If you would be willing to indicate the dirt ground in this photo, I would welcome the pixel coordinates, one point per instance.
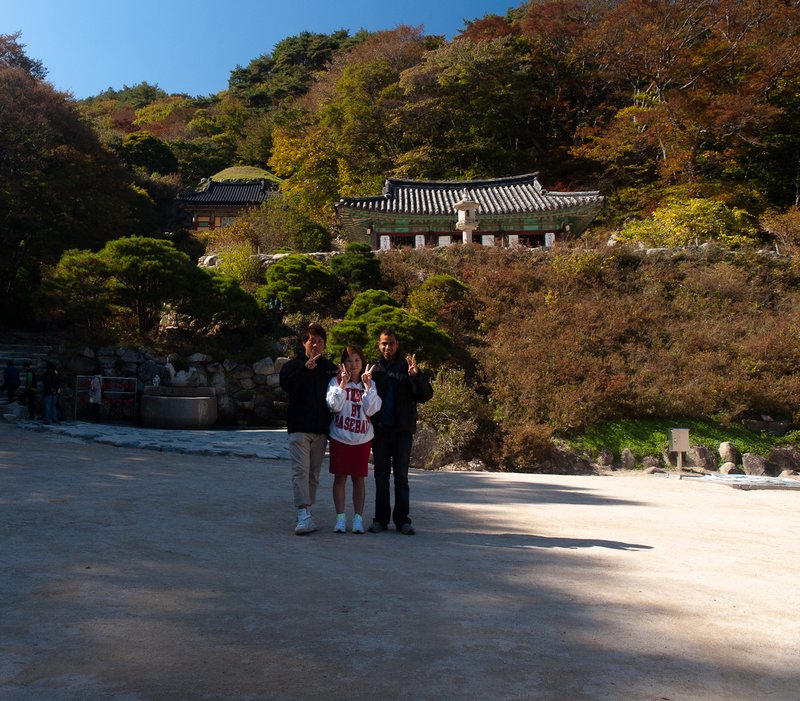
(138, 575)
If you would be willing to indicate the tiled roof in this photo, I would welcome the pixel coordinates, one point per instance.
(512, 195)
(230, 194)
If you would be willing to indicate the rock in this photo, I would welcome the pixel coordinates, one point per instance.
(786, 457)
(229, 364)
(279, 363)
(129, 355)
(200, 358)
(423, 446)
(730, 468)
(653, 470)
(727, 453)
(149, 370)
(767, 425)
(605, 458)
(650, 462)
(754, 464)
(264, 367)
(246, 383)
(241, 372)
(88, 352)
(700, 456)
(273, 381)
(564, 462)
(788, 474)
(627, 461)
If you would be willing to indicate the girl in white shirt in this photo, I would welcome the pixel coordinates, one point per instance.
(352, 402)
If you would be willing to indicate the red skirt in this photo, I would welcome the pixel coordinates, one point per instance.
(348, 459)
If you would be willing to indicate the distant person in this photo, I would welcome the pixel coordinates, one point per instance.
(96, 397)
(51, 388)
(401, 386)
(305, 379)
(353, 399)
(11, 380)
(28, 396)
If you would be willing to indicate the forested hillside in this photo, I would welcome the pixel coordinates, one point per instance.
(685, 115)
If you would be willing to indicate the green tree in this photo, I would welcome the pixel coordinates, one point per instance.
(415, 335)
(300, 283)
(366, 300)
(59, 188)
(146, 151)
(79, 285)
(357, 268)
(147, 275)
(215, 302)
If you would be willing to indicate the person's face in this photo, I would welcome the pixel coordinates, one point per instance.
(314, 345)
(387, 346)
(353, 365)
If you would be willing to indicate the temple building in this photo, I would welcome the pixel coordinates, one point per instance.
(512, 211)
(219, 202)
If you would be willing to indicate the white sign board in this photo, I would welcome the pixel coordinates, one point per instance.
(513, 240)
(386, 243)
(549, 239)
(445, 240)
(487, 240)
(419, 241)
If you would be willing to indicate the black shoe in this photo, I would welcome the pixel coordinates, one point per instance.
(376, 527)
(407, 529)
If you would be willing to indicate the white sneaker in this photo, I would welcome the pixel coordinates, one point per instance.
(341, 526)
(358, 524)
(305, 524)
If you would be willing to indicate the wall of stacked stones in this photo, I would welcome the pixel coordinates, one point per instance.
(247, 394)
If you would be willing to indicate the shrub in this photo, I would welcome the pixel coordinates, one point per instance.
(695, 220)
(455, 413)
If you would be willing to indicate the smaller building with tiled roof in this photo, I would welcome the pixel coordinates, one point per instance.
(219, 203)
(499, 211)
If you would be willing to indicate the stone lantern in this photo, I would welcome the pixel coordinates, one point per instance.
(467, 210)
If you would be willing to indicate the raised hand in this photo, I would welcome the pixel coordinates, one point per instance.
(412, 364)
(366, 376)
(344, 376)
(311, 363)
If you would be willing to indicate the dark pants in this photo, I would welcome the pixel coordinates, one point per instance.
(391, 452)
(12, 392)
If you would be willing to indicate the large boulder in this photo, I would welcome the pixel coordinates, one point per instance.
(700, 456)
(728, 453)
(786, 457)
(755, 465)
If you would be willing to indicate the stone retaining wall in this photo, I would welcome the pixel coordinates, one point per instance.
(247, 394)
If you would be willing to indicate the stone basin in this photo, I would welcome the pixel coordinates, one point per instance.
(179, 407)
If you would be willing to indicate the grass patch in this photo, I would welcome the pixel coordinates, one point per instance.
(651, 437)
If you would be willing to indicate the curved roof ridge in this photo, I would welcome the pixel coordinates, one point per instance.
(461, 184)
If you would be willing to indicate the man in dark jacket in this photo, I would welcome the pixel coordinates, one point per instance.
(305, 379)
(401, 386)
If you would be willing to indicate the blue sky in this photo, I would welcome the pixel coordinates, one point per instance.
(191, 46)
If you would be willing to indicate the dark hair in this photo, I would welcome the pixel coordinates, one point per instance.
(347, 352)
(312, 329)
(389, 332)
(354, 350)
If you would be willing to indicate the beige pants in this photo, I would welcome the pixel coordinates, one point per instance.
(306, 451)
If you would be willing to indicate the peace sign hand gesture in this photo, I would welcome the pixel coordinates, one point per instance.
(366, 376)
(344, 376)
(412, 365)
